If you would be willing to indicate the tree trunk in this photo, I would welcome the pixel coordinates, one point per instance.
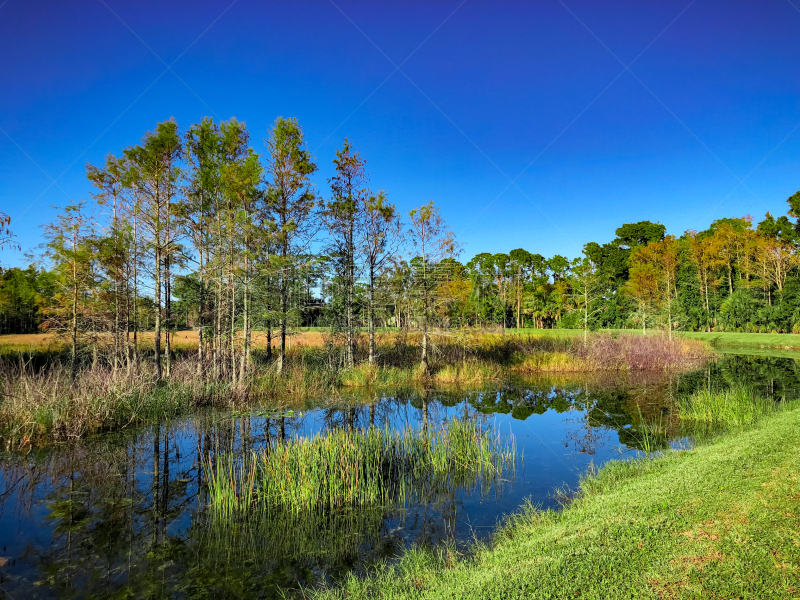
(371, 314)
(74, 346)
(284, 306)
(269, 339)
(424, 361)
(245, 361)
(200, 312)
(586, 314)
(233, 316)
(351, 343)
(730, 278)
(669, 309)
(135, 285)
(157, 332)
(168, 312)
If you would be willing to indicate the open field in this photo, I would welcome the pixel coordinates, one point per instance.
(314, 337)
(785, 341)
(781, 341)
(180, 340)
(719, 521)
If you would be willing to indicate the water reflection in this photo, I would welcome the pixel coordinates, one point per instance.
(124, 515)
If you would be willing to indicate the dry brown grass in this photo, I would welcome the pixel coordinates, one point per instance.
(180, 340)
(31, 341)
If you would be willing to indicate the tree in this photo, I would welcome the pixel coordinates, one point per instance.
(521, 265)
(292, 203)
(653, 270)
(730, 241)
(433, 241)
(23, 294)
(72, 255)
(642, 286)
(156, 175)
(241, 176)
(380, 241)
(5, 232)
(776, 259)
(204, 155)
(706, 260)
(344, 215)
(114, 250)
(587, 287)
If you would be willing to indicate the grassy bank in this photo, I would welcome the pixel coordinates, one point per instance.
(719, 521)
(786, 341)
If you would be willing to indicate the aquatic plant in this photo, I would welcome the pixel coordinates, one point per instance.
(344, 469)
(732, 407)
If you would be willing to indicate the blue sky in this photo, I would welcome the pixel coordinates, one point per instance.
(520, 119)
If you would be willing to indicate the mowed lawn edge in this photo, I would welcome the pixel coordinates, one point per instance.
(719, 521)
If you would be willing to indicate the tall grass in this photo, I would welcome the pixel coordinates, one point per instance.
(39, 399)
(606, 352)
(46, 403)
(733, 407)
(347, 469)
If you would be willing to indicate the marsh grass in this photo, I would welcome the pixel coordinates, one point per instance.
(733, 407)
(45, 403)
(41, 402)
(358, 469)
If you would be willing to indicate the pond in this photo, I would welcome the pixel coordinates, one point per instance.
(126, 515)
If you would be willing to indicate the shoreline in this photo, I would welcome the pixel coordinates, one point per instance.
(43, 403)
(719, 520)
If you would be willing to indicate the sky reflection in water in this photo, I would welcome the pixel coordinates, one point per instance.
(123, 515)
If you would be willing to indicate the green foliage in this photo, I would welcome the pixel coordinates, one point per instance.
(737, 309)
(23, 293)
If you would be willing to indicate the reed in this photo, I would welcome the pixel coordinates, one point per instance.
(733, 407)
(357, 469)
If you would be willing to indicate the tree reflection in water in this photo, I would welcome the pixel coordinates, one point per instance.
(124, 515)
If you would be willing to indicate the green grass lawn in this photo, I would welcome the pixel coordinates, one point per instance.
(719, 521)
(766, 340)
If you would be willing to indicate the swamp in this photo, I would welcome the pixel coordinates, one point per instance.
(181, 508)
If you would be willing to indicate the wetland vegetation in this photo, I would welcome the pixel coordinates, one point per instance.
(606, 455)
(46, 401)
(172, 433)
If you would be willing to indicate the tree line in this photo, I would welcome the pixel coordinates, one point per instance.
(196, 230)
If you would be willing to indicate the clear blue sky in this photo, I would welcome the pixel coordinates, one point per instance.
(486, 94)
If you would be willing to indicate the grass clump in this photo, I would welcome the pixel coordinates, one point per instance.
(733, 407)
(347, 469)
(549, 362)
(718, 521)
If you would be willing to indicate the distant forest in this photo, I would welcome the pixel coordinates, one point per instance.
(195, 230)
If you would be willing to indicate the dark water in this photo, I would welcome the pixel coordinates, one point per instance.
(123, 516)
